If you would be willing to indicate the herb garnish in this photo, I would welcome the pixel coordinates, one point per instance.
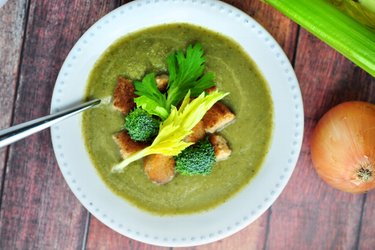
(176, 127)
(186, 73)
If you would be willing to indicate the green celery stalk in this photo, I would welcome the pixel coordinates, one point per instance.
(343, 33)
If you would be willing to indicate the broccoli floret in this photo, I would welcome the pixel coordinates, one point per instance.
(141, 126)
(198, 159)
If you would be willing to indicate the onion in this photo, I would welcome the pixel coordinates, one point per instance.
(343, 147)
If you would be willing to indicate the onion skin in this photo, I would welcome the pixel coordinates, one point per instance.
(343, 147)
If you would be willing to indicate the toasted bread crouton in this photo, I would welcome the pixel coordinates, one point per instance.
(123, 96)
(217, 117)
(221, 149)
(211, 89)
(198, 133)
(159, 168)
(162, 82)
(127, 145)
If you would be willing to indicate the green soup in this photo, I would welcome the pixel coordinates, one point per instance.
(146, 51)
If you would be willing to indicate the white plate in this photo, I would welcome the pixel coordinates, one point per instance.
(243, 208)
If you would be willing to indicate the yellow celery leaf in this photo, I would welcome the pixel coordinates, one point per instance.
(176, 127)
(197, 108)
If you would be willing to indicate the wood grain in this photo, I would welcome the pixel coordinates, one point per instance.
(366, 239)
(310, 214)
(38, 210)
(251, 237)
(280, 27)
(12, 26)
(12, 21)
(101, 237)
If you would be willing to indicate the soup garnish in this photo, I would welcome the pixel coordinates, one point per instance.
(173, 141)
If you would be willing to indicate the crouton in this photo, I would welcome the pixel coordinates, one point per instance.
(198, 133)
(211, 89)
(217, 117)
(221, 149)
(123, 96)
(162, 82)
(159, 168)
(127, 145)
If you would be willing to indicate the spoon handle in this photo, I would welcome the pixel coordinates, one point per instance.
(20, 131)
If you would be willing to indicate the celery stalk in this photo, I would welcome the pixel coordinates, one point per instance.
(369, 4)
(343, 33)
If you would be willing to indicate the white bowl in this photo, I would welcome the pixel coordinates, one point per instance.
(245, 206)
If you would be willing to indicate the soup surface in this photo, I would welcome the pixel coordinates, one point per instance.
(146, 51)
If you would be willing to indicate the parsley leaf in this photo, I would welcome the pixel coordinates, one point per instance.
(186, 73)
(150, 98)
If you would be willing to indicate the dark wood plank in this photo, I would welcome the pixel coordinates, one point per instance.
(366, 239)
(12, 26)
(280, 27)
(310, 214)
(253, 236)
(101, 237)
(38, 209)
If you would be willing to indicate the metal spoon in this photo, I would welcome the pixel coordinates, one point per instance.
(20, 131)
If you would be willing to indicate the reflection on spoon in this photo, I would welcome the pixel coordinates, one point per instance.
(20, 131)
(2, 2)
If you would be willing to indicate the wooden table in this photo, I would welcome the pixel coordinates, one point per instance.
(38, 211)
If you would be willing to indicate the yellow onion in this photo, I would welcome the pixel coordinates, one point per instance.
(343, 147)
